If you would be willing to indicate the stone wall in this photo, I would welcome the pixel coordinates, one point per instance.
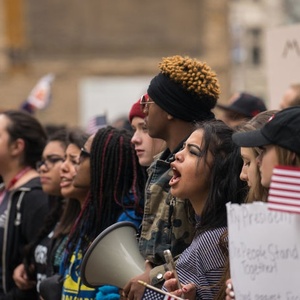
(75, 39)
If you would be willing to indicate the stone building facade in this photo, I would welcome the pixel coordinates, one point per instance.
(75, 40)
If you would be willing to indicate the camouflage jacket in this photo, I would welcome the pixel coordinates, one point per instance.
(168, 222)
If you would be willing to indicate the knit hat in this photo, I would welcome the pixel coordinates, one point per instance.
(136, 110)
(282, 129)
(245, 104)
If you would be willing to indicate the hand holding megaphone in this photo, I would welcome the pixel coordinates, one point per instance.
(133, 289)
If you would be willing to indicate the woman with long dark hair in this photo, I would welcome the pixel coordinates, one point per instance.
(206, 172)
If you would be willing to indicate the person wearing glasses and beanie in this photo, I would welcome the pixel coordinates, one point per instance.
(23, 204)
(184, 92)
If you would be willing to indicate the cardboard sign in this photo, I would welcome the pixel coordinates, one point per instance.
(283, 61)
(264, 249)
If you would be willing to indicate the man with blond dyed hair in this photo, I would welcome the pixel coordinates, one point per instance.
(184, 92)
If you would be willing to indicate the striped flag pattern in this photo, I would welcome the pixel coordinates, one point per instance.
(150, 294)
(95, 123)
(284, 192)
(154, 293)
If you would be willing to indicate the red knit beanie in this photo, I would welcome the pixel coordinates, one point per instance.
(136, 110)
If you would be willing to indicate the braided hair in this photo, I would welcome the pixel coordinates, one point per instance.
(115, 176)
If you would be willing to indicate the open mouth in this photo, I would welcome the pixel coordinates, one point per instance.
(176, 176)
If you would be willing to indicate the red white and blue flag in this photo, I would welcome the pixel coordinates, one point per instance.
(284, 192)
(153, 293)
(40, 95)
(95, 123)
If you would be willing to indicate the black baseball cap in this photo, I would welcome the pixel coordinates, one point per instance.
(282, 129)
(245, 104)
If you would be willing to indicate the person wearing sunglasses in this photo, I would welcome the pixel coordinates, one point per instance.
(184, 92)
(23, 203)
(108, 167)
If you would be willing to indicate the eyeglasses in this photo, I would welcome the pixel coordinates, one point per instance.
(144, 103)
(49, 162)
(83, 154)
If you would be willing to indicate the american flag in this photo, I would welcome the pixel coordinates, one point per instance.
(284, 192)
(96, 123)
(153, 293)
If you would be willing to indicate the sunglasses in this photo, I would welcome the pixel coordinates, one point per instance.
(144, 103)
(83, 154)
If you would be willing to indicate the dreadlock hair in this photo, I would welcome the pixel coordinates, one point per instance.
(225, 171)
(115, 176)
(194, 76)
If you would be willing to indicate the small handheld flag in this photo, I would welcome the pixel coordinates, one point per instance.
(284, 192)
(153, 293)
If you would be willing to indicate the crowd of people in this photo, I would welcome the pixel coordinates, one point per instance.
(171, 176)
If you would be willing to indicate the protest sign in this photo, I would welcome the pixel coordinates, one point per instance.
(283, 61)
(264, 249)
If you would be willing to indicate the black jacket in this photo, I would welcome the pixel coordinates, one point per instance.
(27, 208)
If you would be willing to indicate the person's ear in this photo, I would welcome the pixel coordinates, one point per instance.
(17, 147)
(170, 117)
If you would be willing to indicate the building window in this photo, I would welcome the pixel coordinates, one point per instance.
(255, 46)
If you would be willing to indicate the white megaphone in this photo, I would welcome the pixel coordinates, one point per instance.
(113, 258)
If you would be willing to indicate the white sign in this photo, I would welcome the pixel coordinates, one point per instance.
(283, 61)
(110, 96)
(264, 251)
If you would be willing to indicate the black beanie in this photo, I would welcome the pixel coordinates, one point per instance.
(178, 101)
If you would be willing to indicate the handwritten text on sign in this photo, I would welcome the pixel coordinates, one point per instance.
(264, 248)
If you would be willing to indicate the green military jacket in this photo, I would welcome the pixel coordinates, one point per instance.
(168, 222)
